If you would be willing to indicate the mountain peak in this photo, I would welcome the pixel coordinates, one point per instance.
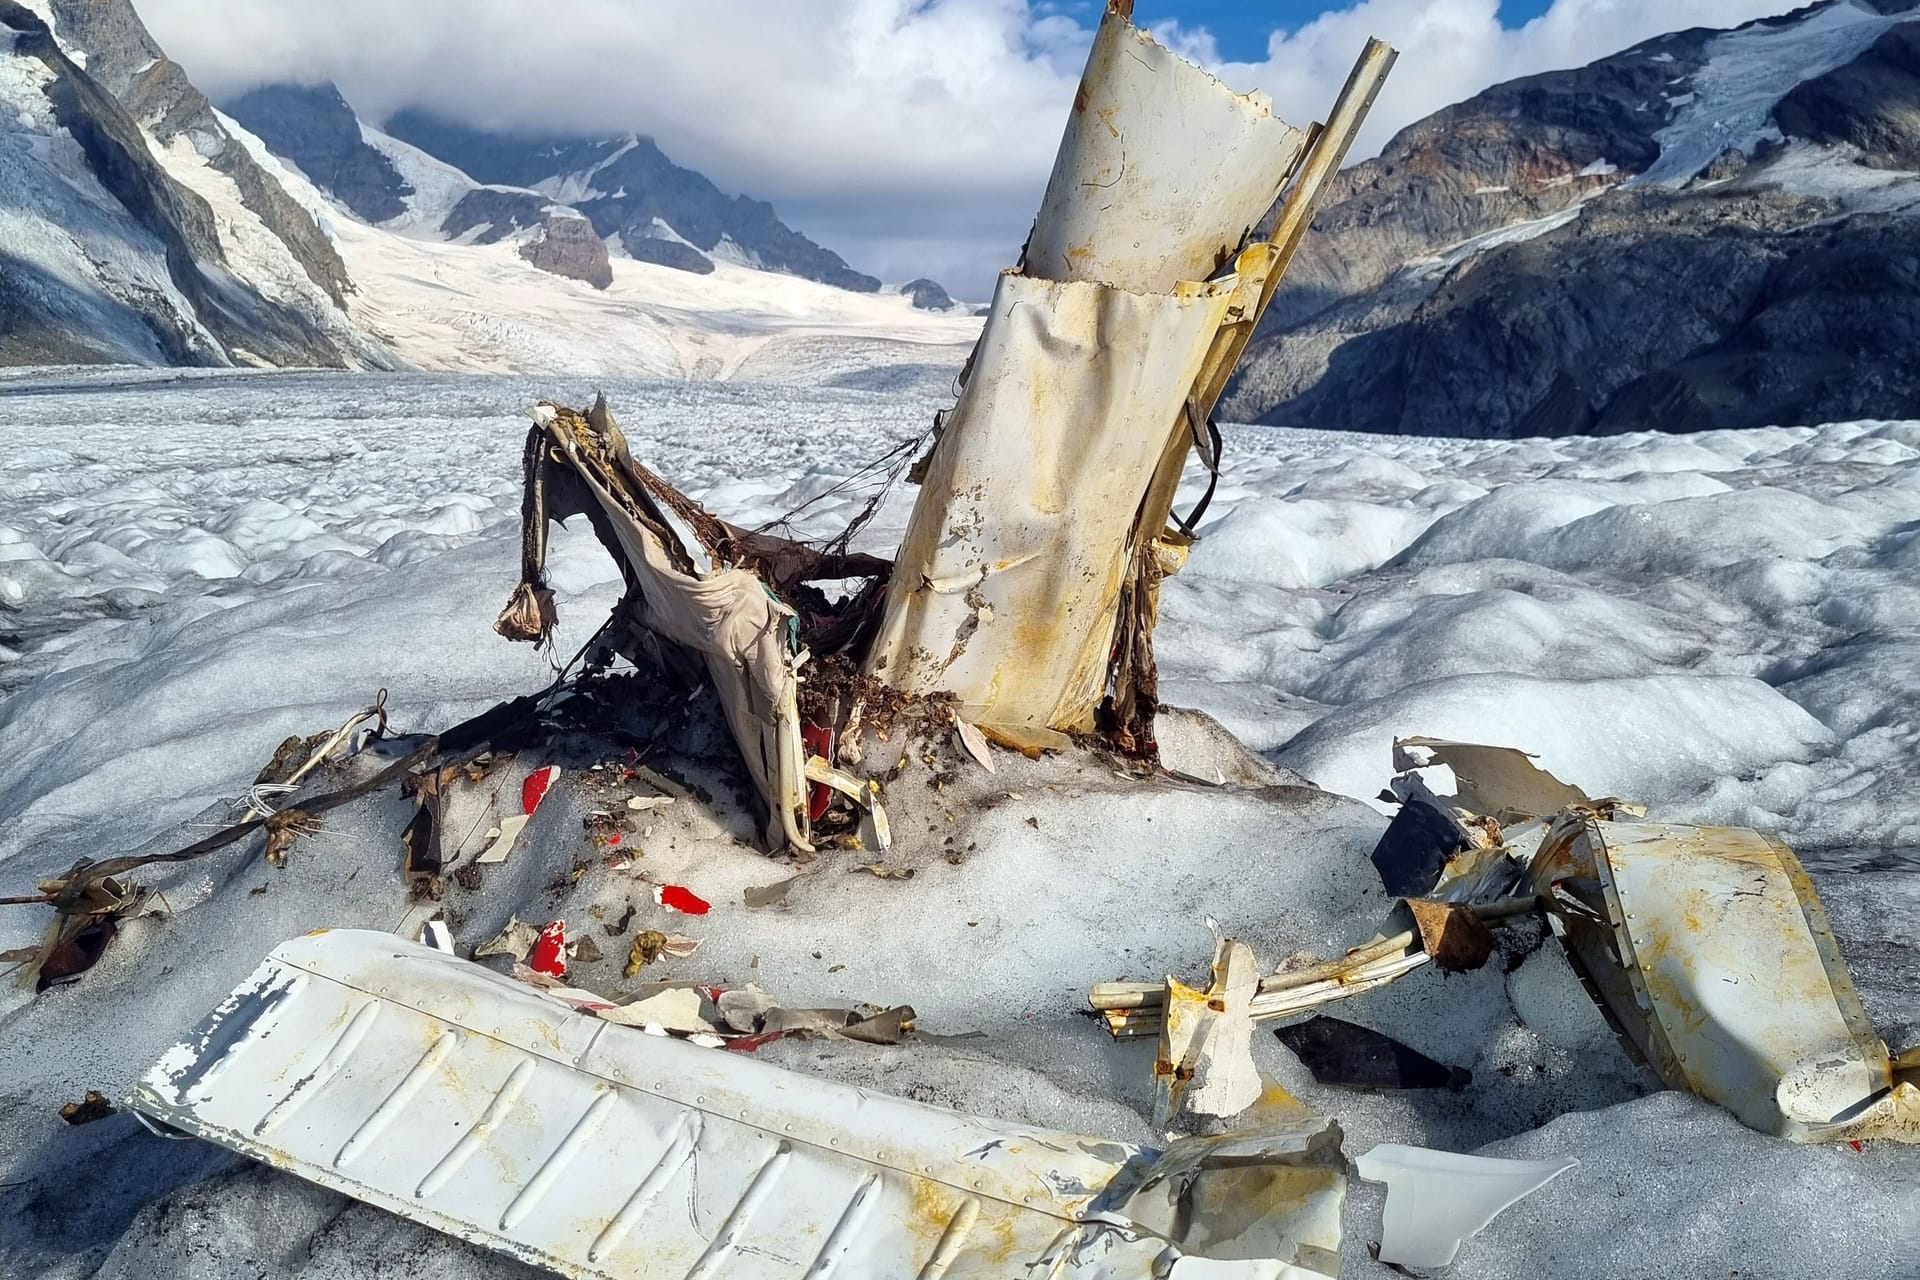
(627, 186)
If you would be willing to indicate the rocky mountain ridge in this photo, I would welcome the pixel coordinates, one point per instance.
(109, 253)
(563, 200)
(1706, 230)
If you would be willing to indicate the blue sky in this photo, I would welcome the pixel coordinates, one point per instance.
(1240, 27)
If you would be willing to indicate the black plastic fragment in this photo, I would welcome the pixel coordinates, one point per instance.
(1342, 1053)
(1415, 848)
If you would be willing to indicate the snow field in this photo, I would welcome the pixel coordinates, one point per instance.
(1722, 626)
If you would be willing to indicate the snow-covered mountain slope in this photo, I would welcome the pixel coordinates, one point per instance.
(484, 306)
(1706, 230)
(631, 190)
(1723, 625)
(371, 175)
(150, 237)
(139, 225)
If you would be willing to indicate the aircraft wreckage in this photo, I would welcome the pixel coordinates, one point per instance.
(505, 1106)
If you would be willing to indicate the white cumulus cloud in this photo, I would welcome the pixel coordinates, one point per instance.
(913, 136)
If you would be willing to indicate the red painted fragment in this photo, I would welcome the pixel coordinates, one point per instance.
(534, 789)
(748, 1044)
(819, 741)
(550, 950)
(681, 899)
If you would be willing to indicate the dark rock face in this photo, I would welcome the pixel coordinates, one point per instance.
(1512, 153)
(123, 58)
(1656, 311)
(565, 243)
(1727, 302)
(927, 294)
(667, 253)
(500, 211)
(236, 315)
(632, 183)
(570, 247)
(313, 126)
(1873, 103)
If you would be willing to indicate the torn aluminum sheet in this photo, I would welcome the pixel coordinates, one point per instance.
(457, 1098)
(1161, 165)
(1496, 781)
(1205, 1063)
(1712, 952)
(1101, 352)
(1030, 495)
(1436, 1199)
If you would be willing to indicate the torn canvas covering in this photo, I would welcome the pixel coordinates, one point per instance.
(460, 1099)
(1034, 542)
(1712, 952)
(682, 589)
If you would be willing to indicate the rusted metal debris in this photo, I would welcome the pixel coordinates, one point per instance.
(1707, 948)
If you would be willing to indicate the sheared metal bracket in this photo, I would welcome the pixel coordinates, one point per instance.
(458, 1098)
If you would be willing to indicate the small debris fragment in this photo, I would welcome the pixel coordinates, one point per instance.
(767, 895)
(502, 838)
(535, 788)
(975, 742)
(549, 954)
(884, 872)
(94, 1107)
(516, 940)
(434, 934)
(648, 945)
(680, 898)
(1342, 1053)
(585, 949)
(648, 804)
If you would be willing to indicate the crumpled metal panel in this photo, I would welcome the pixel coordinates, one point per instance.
(1717, 959)
(458, 1098)
(739, 629)
(1161, 172)
(1005, 588)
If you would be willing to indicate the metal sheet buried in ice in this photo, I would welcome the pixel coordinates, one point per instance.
(446, 1093)
(1007, 582)
(1738, 990)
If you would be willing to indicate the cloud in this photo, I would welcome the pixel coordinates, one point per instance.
(913, 136)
